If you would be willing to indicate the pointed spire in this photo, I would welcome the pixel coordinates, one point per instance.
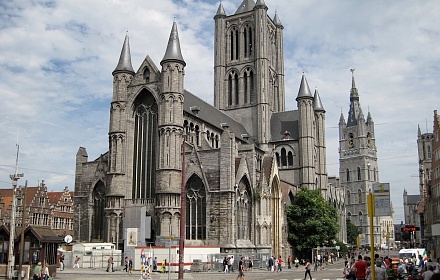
(304, 90)
(419, 132)
(341, 119)
(355, 111)
(220, 10)
(124, 64)
(245, 6)
(317, 104)
(369, 118)
(276, 20)
(353, 92)
(173, 51)
(260, 3)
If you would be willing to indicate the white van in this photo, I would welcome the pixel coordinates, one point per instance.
(409, 253)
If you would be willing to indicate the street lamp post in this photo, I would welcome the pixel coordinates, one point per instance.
(14, 179)
(182, 214)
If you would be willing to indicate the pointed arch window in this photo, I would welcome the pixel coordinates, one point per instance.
(248, 41)
(360, 197)
(244, 210)
(348, 197)
(98, 211)
(230, 90)
(236, 91)
(290, 159)
(283, 157)
(144, 150)
(348, 175)
(147, 75)
(234, 44)
(277, 155)
(248, 86)
(359, 177)
(195, 209)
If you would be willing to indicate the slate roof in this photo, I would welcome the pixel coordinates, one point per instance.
(245, 6)
(282, 122)
(213, 116)
(413, 199)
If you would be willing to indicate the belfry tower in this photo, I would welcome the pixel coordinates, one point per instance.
(358, 168)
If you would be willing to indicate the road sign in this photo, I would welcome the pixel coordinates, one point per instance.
(382, 202)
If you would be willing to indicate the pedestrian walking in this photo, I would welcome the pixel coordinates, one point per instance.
(241, 269)
(62, 261)
(130, 265)
(308, 268)
(126, 264)
(360, 267)
(76, 262)
(289, 260)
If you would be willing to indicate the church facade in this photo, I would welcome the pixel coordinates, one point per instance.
(240, 161)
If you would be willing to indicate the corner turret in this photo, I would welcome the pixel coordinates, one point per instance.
(173, 52)
(124, 64)
(317, 104)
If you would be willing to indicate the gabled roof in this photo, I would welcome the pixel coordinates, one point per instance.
(44, 233)
(211, 115)
(245, 6)
(284, 121)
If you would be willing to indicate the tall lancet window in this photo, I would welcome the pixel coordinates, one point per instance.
(195, 209)
(144, 150)
(234, 44)
(248, 41)
(248, 85)
(243, 196)
(98, 211)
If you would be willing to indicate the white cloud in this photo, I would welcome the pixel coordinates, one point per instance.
(56, 59)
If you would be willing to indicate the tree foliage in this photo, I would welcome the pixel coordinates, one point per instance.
(352, 232)
(311, 220)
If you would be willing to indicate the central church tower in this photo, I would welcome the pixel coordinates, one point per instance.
(249, 67)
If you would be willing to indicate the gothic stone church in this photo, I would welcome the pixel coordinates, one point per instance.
(241, 160)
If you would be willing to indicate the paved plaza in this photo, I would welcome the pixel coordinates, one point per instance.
(331, 272)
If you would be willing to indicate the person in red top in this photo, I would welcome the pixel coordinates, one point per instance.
(360, 267)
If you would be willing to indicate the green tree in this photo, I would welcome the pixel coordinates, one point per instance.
(311, 221)
(352, 233)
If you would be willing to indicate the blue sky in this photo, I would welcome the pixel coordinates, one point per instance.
(56, 60)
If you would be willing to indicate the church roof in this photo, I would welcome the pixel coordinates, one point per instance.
(284, 121)
(213, 116)
(124, 63)
(173, 51)
(304, 90)
(317, 104)
(276, 20)
(220, 10)
(245, 6)
(412, 199)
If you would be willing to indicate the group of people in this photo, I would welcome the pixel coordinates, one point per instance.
(128, 265)
(41, 272)
(413, 270)
(275, 264)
